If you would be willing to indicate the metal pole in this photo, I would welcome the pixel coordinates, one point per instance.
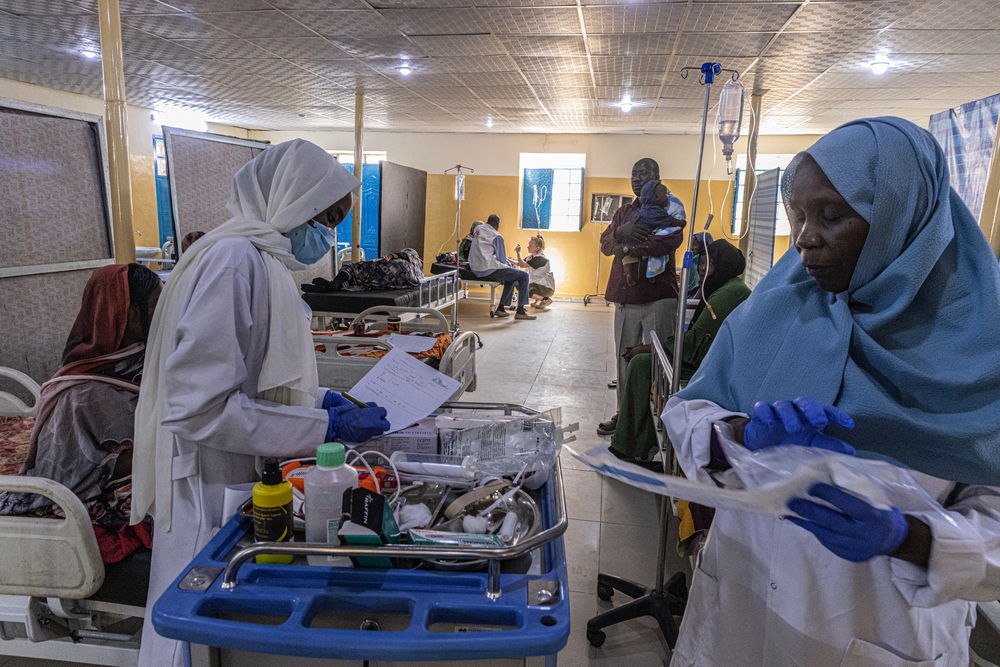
(675, 382)
(112, 63)
(750, 184)
(359, 171)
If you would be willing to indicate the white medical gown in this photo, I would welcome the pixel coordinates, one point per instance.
(218, 424)
(766, 593)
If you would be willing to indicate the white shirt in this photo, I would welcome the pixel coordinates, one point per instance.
(542, 275)
(483, 258)
(766, 593)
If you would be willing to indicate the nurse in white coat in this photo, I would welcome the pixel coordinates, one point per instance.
(230, 370)
(886, 317)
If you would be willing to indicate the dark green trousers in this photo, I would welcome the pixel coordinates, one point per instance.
(635, 434)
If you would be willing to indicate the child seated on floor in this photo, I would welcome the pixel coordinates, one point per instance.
(542, 283)
(661, 213)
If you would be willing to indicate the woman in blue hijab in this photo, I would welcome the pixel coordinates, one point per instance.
(877, 336)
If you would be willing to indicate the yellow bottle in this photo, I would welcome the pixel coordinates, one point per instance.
(272, 511)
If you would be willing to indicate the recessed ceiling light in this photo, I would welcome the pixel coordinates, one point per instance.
(405, 70)
(880, 66)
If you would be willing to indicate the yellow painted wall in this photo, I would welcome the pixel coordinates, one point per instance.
(574, 255)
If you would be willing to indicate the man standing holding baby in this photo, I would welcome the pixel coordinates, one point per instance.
(643, 237)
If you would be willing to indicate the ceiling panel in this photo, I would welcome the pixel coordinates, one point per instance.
(632, 19)
(173, 26)
(365, 23)
(632, 45)
(856, 15)
(457, 46)
(723, 44)
(453, 20)
(532, 20)
(302, 47)
(737, 17)
(525, 63)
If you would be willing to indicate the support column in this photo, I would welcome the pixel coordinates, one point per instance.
(116, 123)
(750, 183)
(989, 215)
(359, 169)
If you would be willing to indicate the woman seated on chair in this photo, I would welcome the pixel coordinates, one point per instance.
(85, 422)
(719, 270)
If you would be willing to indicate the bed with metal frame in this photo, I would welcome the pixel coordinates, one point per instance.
(437, 292)
(58, 600)
(339, 371)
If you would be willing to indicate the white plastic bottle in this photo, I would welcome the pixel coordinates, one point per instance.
(324, 491)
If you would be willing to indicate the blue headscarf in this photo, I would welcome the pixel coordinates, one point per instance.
(911, 349)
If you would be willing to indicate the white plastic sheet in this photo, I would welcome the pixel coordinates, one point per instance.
(763, 482)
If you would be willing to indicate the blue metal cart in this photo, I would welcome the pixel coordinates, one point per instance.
(224, 599)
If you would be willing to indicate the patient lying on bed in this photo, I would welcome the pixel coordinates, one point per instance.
(84, 428)
(401, 270)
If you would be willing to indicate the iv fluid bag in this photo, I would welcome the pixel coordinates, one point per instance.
(459, 187)
(730, 115)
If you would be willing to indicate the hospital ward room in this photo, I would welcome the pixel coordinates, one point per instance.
(500, 333)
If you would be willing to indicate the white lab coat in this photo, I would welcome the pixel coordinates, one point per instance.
(766, 593)
(218, 424)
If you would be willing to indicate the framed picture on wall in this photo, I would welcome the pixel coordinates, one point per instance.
(603, 206)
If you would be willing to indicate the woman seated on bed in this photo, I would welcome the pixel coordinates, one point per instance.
(84, 428)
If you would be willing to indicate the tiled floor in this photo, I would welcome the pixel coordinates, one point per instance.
(565, 359)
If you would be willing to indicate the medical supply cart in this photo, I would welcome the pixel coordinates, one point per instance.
(224, 599)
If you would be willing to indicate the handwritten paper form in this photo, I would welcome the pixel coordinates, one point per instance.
(408, 389)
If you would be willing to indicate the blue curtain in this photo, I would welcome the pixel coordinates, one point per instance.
(371, 197)
(537, 182)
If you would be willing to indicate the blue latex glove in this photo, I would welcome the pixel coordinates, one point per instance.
(855, 531)
(354, 424)
(333, 399)
(798, 422)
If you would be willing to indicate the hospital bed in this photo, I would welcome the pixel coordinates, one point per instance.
(57, 599)
(438, 292)
(470, 281)
(341, 371)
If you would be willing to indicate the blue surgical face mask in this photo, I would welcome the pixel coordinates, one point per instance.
(310, 242)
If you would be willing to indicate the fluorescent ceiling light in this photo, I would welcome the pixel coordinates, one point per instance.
(626, 104)
(90, 53)
(880, 66)
(489, 121)
(405, 70)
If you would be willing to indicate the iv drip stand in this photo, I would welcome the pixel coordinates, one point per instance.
(668, 597)
(459, 196)
(708, 73)
(598, 294)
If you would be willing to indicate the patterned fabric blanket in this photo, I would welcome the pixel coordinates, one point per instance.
(443, 341)
(15, 438)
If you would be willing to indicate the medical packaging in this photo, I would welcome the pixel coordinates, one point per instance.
(369, 521)
(421, 438)
(501, 444)
(444, 538)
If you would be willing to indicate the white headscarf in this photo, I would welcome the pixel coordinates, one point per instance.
(280, 189)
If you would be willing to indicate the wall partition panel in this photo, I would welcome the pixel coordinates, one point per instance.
(55, 228)
(403, 208)
(201, 167)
